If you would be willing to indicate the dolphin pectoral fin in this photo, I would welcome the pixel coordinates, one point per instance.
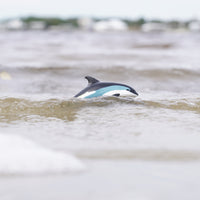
(116, 95)
(91, 80)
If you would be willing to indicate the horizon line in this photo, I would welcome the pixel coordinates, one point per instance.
(98, 17)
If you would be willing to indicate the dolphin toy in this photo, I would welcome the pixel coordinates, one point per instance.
(96, 88)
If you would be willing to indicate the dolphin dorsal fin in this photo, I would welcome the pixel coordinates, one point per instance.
(91, 80)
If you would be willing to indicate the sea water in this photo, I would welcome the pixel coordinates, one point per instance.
(146, 147)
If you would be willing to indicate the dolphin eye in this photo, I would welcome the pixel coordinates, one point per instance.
(128, 89)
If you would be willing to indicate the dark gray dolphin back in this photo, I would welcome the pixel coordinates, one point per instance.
(91, 80)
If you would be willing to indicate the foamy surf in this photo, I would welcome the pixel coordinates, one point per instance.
(19, 156)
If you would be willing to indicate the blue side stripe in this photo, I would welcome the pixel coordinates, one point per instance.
(102, 91)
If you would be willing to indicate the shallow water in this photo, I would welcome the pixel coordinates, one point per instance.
(44, 70)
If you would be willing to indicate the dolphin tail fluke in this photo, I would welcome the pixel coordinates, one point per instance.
(91, 80)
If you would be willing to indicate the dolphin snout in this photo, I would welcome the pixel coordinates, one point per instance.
(134, 92)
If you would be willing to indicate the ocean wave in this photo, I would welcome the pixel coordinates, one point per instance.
(141, 154)
(20, 156)
(13, 109)
(167, 71)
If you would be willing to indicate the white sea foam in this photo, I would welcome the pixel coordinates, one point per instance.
(21, 156)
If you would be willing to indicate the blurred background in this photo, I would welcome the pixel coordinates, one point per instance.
(53, 146)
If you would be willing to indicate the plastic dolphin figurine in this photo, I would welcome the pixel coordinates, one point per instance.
(96, 88)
